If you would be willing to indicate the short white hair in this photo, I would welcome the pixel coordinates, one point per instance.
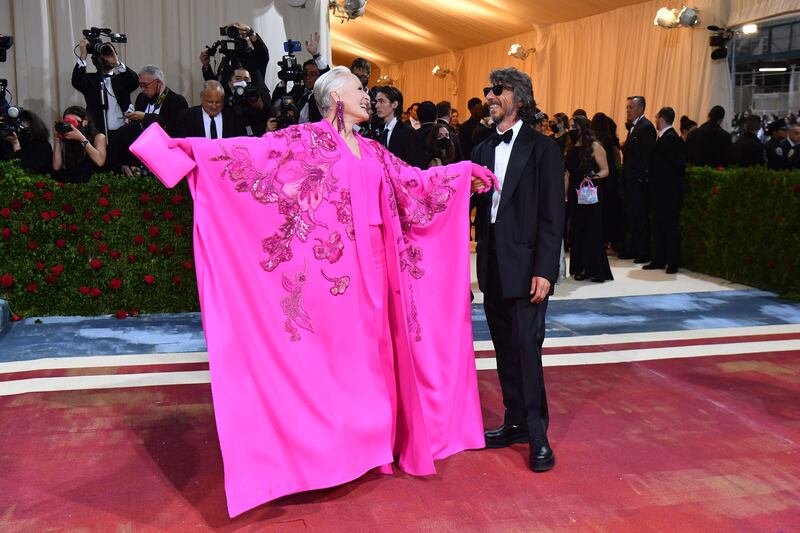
(152, 71)
(333, 80)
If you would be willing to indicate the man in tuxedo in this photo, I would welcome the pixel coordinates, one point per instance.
(748, 151)
(666, 192)
(107, 93)
(468, 127)
(518, 229)
(426, 113)
(254, 58)
(303, 94)
(396, 135)
(637, 155)
(709, 145)
(210, 119)
(444, 114)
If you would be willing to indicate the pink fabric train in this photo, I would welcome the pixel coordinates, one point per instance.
(307, 391)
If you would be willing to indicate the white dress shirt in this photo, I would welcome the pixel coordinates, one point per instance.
(635, 122)
(207, 124)
(114, 118)
(502, 153)
(662, 132)
(390, 128)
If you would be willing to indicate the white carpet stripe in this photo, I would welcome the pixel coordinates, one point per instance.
(484, 363)
(99, 361)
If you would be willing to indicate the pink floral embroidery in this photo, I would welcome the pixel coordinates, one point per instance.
(344, 213)
(409, 257)
(412, 321)
(331, 249)
(292, 305)
(340, 284)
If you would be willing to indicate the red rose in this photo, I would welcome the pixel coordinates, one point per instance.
(102, 201)
(144, 198)
(105, 189)
(95, 264)
(16, 205)
(176, 280)
(176, 199)
(29, 195)
(47, 195)
(57, 269)
(98, 235)
(159, 199)
(32, 245)
(39, 265)
(188, 265)
(88, 214)
(63, 227)
(169, 215)
(147, 214)
(81, 249)
(152, 248)
(714, 190)
(6, 233)
(116, 213)
(39, 185)
(179, 229)
(84, 290)
(61, 243)
(149, 279)
(114, 254)
(168, 250)
(24, 229)
(133, 311)
(154, 231)
(15, 317)
(102, 247)
(51, 279)
(131, 259)
(60, 185)
(53, 213)
(122, 314)
(115, 283)
(73, 228)
(45, 215)
(6, 280)
(771, 265)
(106, 218)
(32, 287)
(68, 208)
(138, 239)
(95, 292)
(5, 212)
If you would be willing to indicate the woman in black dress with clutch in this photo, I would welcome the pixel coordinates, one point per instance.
(586, 158)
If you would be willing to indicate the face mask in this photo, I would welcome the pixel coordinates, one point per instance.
(573, 134)
(443, 143)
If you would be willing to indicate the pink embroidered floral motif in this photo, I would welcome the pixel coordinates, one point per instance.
(292, 305)
(409, 257)
(412, 321)
(331, 249)
(339, 284)
(344, 213)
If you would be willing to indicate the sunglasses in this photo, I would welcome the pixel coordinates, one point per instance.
(496, 90)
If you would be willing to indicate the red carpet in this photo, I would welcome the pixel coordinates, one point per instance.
(700, 444)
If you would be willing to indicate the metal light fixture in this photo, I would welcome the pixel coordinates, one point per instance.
(773, 69)
(675, 18)
(385, 80)
(347, 9)
(750, 29)
(519, 52)
(440, 72)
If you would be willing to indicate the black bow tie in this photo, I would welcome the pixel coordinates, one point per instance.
(505, 137)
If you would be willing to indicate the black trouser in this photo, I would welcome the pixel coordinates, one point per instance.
(637, 208)
(666, 232)
(517, 327)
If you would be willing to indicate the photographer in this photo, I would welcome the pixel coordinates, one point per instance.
(247, 103)
(303, 93)
(284, 114)
(249, 52)
(156, 102)
(80, 149)
(29, 144)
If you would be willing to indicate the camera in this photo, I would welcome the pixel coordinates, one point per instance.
(96, 44)
(6, 41)
(289, 112)
(234, 45)
(63, 127)
(247, 92)
(290, 70)
(9, 121)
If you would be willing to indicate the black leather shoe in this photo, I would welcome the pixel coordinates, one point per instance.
(579, 277)
(671, 269)
(641, 260)
(653, 266)
(505, 436)
(542, 457)
(624, 256)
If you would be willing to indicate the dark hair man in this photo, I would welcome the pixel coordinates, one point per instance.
(444, 114)
(396, 135)
(666, 193)
(748, 151)
(303, 94)
(636, 159)
(362, 69)
(518, 231)
(475, 108)
(777, 148)
(709, 145)
(254, 58)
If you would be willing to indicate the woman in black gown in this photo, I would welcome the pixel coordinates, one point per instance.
(586, 158)
(605, 131)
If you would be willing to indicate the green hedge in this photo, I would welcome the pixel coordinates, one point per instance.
(124, 245)
(115, 245)
(743, 224)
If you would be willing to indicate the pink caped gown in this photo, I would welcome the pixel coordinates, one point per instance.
(335, 301)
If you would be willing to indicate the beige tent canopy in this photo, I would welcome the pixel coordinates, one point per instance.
(589, 53)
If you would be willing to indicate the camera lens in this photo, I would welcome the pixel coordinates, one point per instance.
(232, 32)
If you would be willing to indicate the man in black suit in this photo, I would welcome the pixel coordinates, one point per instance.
(475, 108)
(748, 151)
(426, 114)
(637, 155)
(444, 114)
(107, 93)
(210, 119)
(396, 135)
(709, 145)
(254, 58)
(303, 93)
(518, 231)
(666, 193)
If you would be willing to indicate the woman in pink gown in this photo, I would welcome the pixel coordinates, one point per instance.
(334, 290)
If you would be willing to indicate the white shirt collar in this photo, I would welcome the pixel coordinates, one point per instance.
(662, 132)
(515, 128)
(635, 122)
(390, 126)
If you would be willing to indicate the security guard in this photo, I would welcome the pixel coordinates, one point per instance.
(778, 146)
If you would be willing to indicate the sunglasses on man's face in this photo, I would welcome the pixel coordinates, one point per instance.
(496, 90)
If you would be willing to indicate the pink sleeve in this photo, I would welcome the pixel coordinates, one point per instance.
(169, 159)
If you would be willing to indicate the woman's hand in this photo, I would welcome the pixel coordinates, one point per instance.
(74, 135)
(483, 179)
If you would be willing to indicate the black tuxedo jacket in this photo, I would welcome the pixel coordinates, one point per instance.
(167, 117)
(402, 144)
(190, 124)
(668, 168)
(530, 218)
(637, 154)
(88, 84)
